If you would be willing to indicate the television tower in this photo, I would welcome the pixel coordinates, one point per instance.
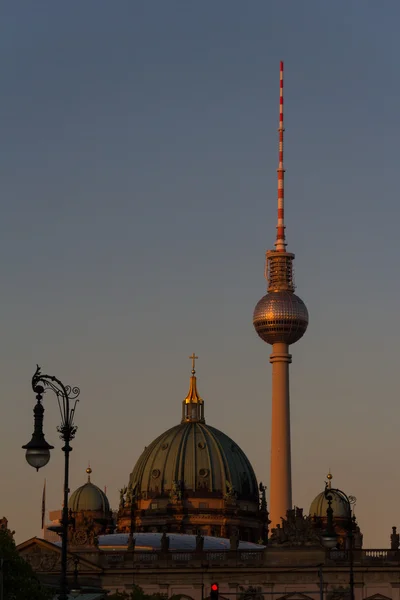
(280, 319)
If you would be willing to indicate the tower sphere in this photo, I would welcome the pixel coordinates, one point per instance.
(280, 317)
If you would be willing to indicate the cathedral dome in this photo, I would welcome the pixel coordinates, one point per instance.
(196, 458)
(193, 479)
(89, 497)
(340, 506)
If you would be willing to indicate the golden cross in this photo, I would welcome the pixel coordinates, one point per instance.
(193, 358)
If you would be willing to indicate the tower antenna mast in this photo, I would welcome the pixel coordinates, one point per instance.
(280, 243)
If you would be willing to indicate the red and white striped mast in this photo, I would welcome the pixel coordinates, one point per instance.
(280, 243)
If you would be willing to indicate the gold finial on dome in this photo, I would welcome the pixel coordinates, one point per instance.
(88, 471)
(193, 358)
(329, 478)
(193, 395)
(193, 406)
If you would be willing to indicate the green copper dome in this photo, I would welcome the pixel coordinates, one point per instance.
(89, 497)
(340, 506)
(197, 457)
(194, 459)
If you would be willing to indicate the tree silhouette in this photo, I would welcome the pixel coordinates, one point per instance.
(19, 580)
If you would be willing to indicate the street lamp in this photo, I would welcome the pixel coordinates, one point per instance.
(38, 450)
(329, 537)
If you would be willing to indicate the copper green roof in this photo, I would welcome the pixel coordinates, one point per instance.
(201, 457)
(340, 507)
(89, 497)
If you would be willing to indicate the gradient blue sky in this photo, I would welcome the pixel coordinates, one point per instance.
(138, 169)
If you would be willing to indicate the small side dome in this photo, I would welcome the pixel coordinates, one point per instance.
(89, 497)
(340, 506)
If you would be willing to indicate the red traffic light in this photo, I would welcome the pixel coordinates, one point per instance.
(214, 587)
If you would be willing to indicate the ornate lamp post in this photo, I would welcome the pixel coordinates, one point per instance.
(329, 537)
(38, 450)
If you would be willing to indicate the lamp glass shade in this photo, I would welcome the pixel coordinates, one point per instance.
(328, 540)
(37, 451)
(37, 457)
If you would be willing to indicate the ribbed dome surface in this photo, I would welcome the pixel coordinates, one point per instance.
(340, 507)
(89, 497)
(201, 457)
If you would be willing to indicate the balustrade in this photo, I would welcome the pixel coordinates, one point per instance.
(214, 556)
(365, 557)
(254, 557)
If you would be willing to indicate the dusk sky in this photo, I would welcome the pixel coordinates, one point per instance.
(138, 197)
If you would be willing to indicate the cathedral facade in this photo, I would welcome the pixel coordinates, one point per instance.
(294, 565)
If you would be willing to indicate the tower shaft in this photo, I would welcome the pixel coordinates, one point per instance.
(281, 467)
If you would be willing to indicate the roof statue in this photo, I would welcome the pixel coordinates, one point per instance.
(234, 541)
(199, 542)
(175, 494)
(394, 539)
(296, 530)
(263, 498)
(131, 542)
(122, 493)
(230, 494)
(164, 542)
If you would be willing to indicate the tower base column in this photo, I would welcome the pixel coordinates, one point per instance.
(281, 468)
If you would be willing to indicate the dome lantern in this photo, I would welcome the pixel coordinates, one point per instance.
(193, 405)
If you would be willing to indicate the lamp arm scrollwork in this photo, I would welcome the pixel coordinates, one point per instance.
(67, 398)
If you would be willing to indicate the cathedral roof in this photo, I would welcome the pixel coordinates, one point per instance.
(195, 457)
(178, 541)
(200, 457)
(89, 497)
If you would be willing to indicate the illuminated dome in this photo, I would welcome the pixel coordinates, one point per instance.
(192, 479)
(89, 497)
(198, 458)
(340, 506)
(280, 317)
